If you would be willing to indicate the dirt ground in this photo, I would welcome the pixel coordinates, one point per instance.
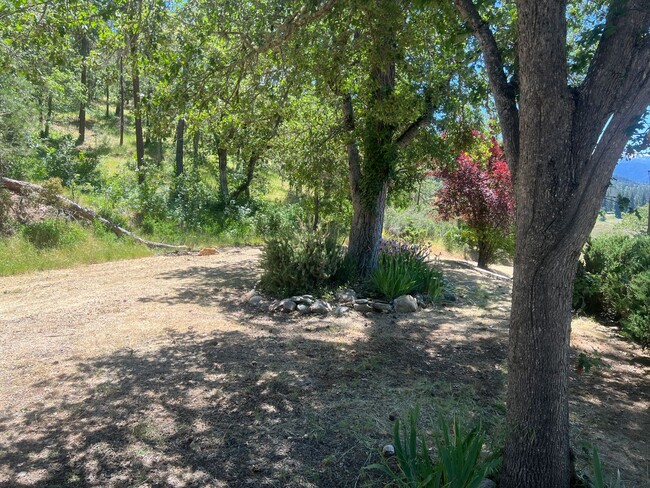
(150, 373)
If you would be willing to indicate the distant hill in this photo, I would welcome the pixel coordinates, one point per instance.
(633, 170)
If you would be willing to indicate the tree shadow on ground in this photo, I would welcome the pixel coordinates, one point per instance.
(282, 401)
(232, 409)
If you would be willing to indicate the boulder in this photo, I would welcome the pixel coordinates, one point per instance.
(382, 307)
(287, 305)
(363, 306)
(340, 310)
(346, 296)
(321, 307)
(405, 304)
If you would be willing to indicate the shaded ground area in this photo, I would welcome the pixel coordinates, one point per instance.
(151, 373)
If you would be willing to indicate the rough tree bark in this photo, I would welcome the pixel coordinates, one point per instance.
(139, 137)
(367, 209)
(369, 176)
(84, 83)
(121, 104)
(223, 172)
(562, 145)
(245, 186)
(180, 133)
(108, 99)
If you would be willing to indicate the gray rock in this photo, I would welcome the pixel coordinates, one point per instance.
(388, 450)
(303, 309)
(361, 301)
(321, 307)
(287, 305)
(486, 483)
(346, 296)
(405, 304)
(255, 300)
(304, 299)
(340, 310)
(449, 297)
(246, 297)
(382, 307)
(363, 307)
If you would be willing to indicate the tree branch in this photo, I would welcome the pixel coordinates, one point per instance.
(503, 92)
(411, 131)
(300, 19)
(616, 91)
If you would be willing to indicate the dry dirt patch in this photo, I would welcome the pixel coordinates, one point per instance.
(151, 373)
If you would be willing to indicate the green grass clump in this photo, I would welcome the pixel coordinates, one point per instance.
(403, 269)
(459, 463)
(52, 233)
(19, 255)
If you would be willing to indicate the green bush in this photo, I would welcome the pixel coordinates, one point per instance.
(403, 269)
(458, 465)
(614, 279)
(61, 159)
(52, 233)
(302, 261)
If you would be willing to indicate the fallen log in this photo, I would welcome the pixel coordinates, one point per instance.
(27, 189)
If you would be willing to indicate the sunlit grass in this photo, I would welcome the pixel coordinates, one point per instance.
(276, 189)
(606, 226)
(19, 256)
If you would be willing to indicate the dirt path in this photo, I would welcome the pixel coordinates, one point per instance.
(150, 373)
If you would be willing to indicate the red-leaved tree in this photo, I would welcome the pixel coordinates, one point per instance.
(479, 193)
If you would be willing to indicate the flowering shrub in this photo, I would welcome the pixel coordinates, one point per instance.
(479, 193)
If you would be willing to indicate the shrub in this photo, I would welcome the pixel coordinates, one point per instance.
(615, 279)
(403, 269)
(478, 191)
(61, 159)
(5, 207)
(52, 233)
(300, 261)
(459, 463)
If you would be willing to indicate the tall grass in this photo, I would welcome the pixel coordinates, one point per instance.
(18, 255)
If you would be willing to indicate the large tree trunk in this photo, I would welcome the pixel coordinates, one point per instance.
(223, 172)
(366, 230)
(562, 145)
(84, 83)
(180, 136)
(121, 104)
(139, 137)
(245, 186)
(108, 99)
(45, 133)
(369, 178)
(485, 252)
